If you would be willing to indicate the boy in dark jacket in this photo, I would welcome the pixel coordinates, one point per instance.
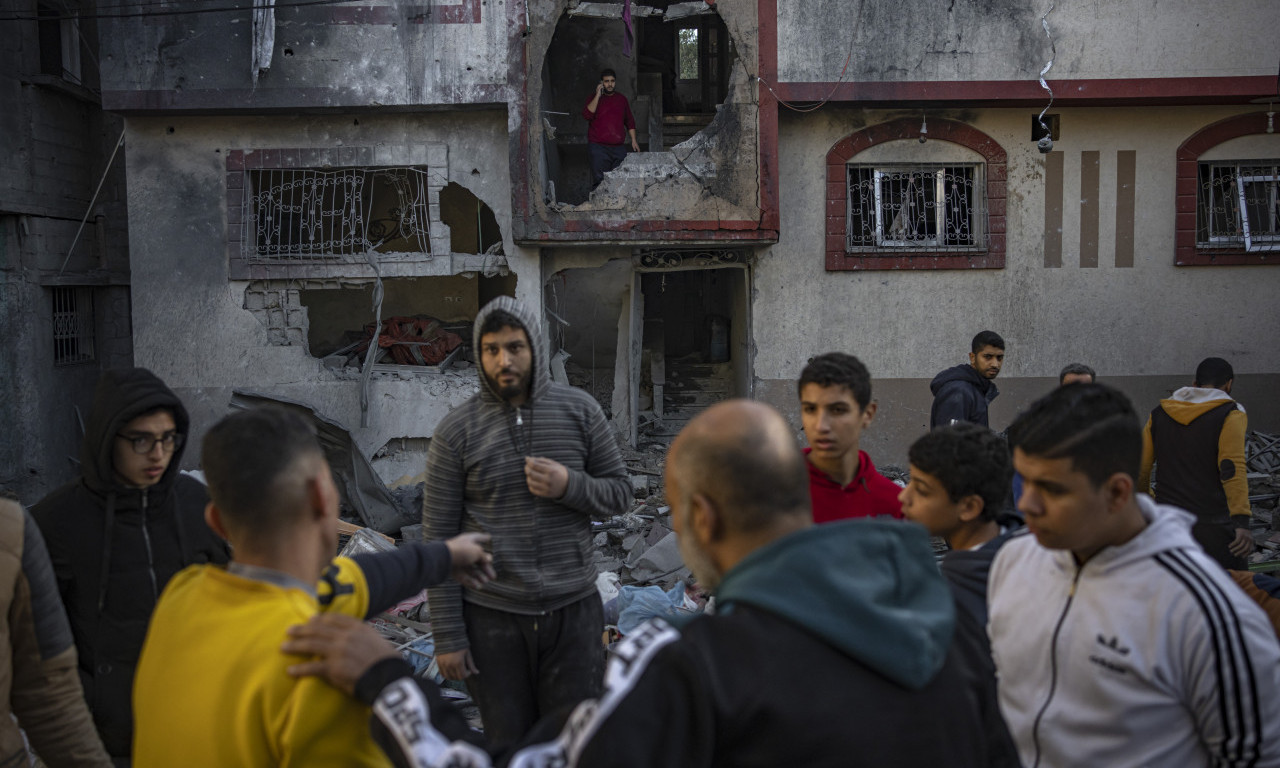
(963, 392)
(118, 533)
(959, 479)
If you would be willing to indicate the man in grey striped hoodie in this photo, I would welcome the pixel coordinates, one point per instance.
(530, 462)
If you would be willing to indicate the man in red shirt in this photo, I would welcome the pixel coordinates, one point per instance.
(609, 123)
(835, 406)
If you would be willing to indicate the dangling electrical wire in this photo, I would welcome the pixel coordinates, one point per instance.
(839, 81)
(1053, 54)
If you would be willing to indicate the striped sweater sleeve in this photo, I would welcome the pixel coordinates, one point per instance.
(1235, 480)
(601, 489)
(442, 512)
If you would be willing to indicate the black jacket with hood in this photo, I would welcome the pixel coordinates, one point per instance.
(114, 548)
(960, 393)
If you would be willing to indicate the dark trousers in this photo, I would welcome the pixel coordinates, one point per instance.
(531, 666)
(604, 158)
(1214, 538)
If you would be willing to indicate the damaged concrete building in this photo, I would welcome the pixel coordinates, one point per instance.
(64, 259)
(817, 175)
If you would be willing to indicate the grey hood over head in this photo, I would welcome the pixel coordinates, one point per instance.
(540, 375)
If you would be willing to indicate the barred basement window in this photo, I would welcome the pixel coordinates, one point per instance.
(1238, 205)
(307, 214)
(72, 325)
(915, 207)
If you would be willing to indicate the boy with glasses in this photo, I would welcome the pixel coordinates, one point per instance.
(119, 532)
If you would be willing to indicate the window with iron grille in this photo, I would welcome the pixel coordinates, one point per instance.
(1238, 205)
(72, 325)
(934, 207)
(312, 214)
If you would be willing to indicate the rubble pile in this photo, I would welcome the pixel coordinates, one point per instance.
(1262, 463)
(639, 545)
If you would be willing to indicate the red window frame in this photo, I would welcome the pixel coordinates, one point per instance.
(996, 161)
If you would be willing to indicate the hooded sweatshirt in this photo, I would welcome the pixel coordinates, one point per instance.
(828, 643)
(114, 548)
(960, 393)
(542, 548)
(1196, 437)
(1147, 654)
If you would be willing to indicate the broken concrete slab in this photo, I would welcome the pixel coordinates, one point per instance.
(659, 560)
(685, 10)
(359, 487)
(609, 10)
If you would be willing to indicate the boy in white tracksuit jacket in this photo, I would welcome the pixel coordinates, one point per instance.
(1117, 641)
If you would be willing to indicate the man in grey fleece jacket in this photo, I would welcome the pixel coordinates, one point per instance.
(528, 461)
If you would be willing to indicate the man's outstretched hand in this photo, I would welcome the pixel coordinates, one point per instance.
(472, 564)
(345, 648)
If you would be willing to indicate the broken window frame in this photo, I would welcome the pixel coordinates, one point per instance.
(946, 222)
(73, 325)
(338, 204)
(1227, 216)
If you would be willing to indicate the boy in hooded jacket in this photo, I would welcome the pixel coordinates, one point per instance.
(119, 532)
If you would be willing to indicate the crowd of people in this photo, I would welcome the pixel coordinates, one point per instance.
(1074, 620)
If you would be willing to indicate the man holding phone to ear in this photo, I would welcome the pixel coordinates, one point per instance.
(609, 124)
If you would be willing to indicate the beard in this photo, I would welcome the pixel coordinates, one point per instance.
(704, 571)
(506, 392)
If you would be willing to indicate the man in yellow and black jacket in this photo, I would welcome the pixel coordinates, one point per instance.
(212, 688)
(1196, 440)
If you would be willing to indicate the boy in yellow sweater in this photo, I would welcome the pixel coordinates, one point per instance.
(212, 687)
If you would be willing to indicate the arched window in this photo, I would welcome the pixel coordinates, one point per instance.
(1228, 193)
(894, 202)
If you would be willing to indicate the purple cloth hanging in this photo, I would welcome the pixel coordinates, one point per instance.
(628, 34)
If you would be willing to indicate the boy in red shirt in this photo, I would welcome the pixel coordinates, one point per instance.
(835, 406)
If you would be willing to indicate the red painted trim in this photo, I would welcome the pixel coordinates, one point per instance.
(464, 12)
(908, 128)
(1186, 253)
(1008, 93)
(701, 231)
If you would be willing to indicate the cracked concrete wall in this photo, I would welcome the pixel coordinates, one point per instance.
(190, 322)
(1003, 39)
(378, 54)
(1142, 328)
(713, 176)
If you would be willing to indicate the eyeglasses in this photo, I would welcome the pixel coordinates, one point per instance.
(144, 444)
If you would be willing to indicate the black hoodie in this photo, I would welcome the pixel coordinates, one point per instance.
(960, 393)
(114, 548)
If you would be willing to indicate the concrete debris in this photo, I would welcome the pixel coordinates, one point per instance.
(1262, 452)
(685, 10)
(609, 10)
(660, 561)
(360, 489)
(640, 486)
(1262, 458)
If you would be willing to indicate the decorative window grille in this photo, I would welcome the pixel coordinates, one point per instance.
(1238, 205)
(72, 325)
(916, 207)
(307, 214)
